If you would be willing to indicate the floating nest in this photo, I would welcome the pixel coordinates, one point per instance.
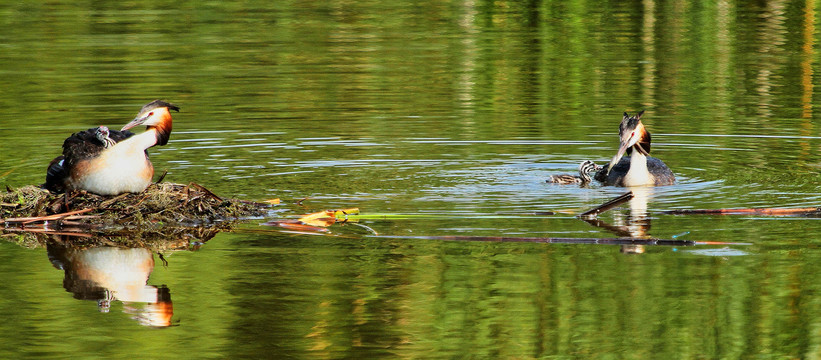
(165, 212)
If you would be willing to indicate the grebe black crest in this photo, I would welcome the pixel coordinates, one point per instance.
(586, 168)
(111, 162)
(638, 169)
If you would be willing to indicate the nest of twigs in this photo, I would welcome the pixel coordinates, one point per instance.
(160, 208)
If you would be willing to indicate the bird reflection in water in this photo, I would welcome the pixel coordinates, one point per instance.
(635, 224)
(107, 274)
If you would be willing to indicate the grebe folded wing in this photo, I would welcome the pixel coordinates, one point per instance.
(80, 146)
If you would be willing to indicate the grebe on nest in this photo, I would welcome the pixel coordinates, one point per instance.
(110, 162)
(638, 169)
(586, 168)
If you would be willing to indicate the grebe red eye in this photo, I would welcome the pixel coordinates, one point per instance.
(151, 114)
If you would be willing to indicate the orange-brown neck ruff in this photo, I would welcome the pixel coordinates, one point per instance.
(163, 128)
(644, 142)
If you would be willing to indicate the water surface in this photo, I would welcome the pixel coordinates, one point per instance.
(452, 115)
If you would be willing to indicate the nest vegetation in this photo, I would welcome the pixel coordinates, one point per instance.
(160, 205)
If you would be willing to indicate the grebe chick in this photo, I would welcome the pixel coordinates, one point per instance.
(103, 135)
(639, 169)
(586, 168)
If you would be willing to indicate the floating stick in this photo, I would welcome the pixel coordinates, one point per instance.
(750, 211)
(608, 205)
(27, 220)
(558, 240)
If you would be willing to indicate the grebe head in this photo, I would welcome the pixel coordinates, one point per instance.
(155, 114)
(102, 134)
(633, 135)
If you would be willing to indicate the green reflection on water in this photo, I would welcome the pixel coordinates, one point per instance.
(455, 108)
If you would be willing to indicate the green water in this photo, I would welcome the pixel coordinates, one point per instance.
(451, 114)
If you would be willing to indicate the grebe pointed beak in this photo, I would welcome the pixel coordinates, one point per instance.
(622, 149)
(136, 122)
(628, 139)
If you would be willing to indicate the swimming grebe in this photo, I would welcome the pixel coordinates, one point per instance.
(586, 168)
(110, 162)
(638, 169)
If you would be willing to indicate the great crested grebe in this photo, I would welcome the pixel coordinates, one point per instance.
(638, 169)
(586, 168)
(110, 162)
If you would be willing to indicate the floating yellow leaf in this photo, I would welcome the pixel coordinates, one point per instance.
(296, 225)
(343, 213)
(328, 217)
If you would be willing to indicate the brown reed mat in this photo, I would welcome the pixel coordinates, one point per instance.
(31, 208)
